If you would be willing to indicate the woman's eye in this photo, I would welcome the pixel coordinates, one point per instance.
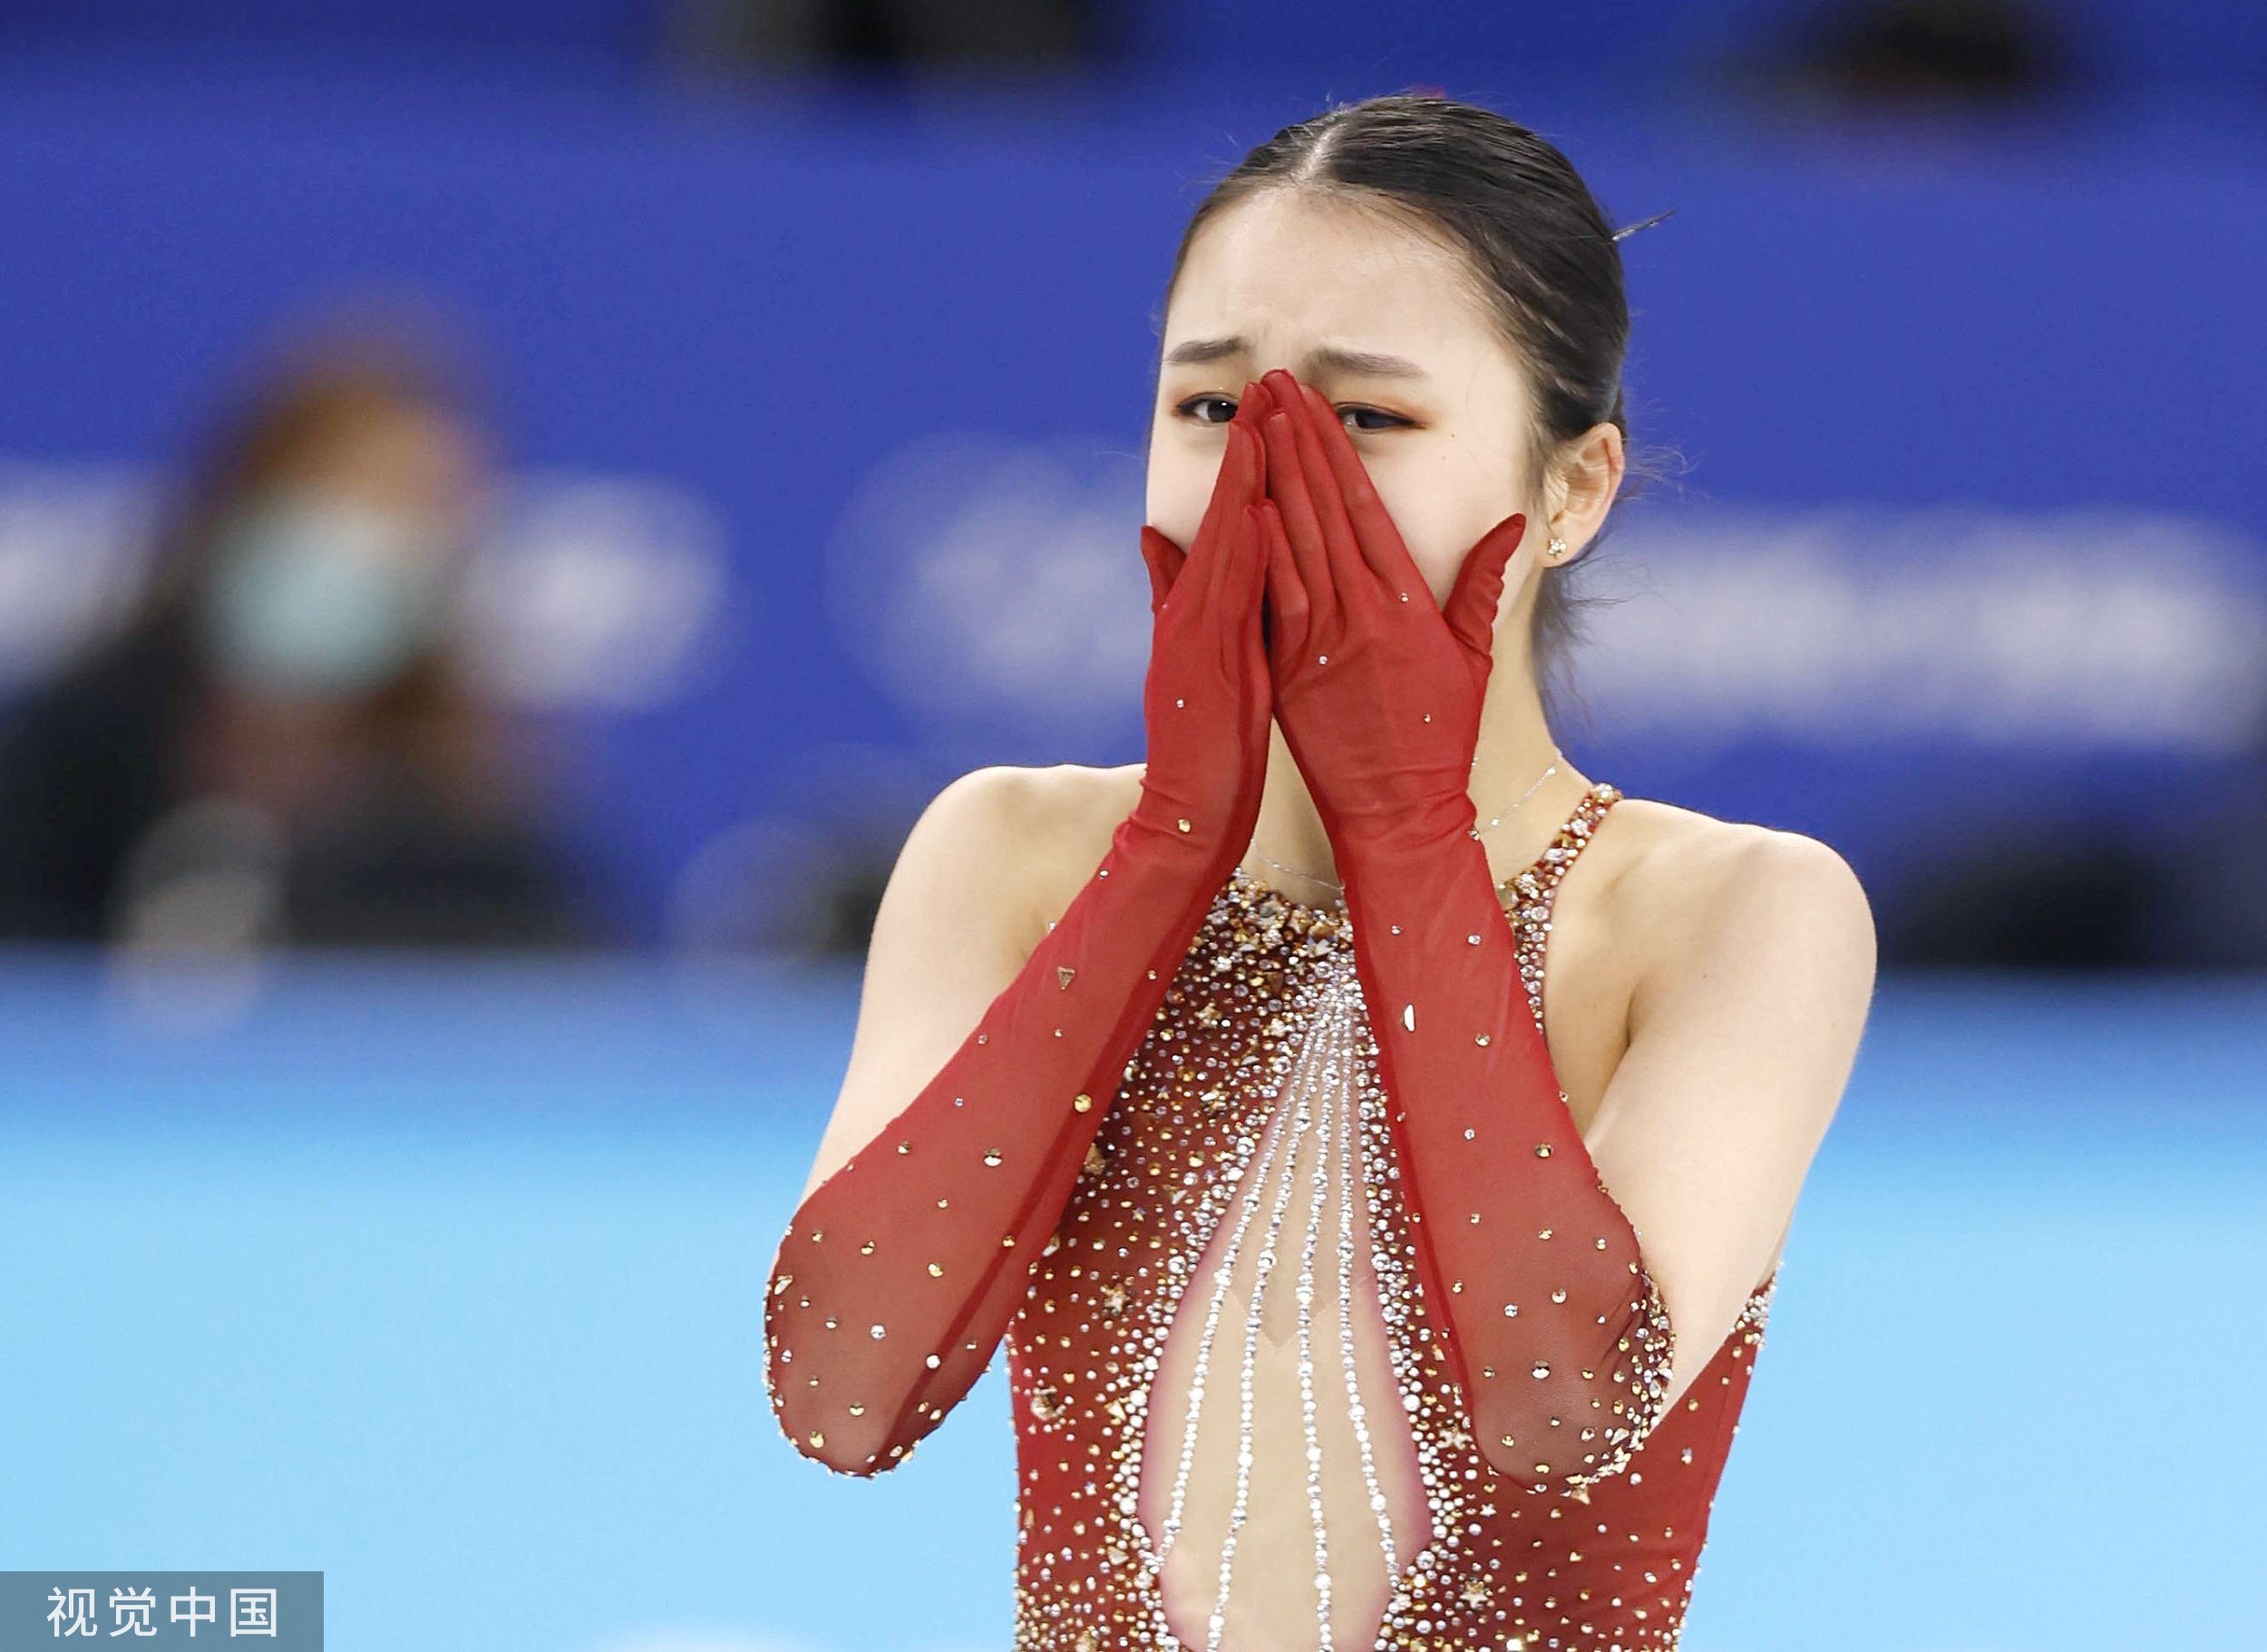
(1188, 408)
(1352, 415)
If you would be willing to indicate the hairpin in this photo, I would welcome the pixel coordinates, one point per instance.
(1648, 224)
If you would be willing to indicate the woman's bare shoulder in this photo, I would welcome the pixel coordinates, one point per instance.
(1680, 877)
(1048, 827)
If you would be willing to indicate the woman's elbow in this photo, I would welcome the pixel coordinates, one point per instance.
(1565, 1457)
(846, 1439)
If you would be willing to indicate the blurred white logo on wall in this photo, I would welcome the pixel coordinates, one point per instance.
(596, 591)
(2090, 628)
(73, 555)
(985, 583)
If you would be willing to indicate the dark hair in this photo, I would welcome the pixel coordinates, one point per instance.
(1543, 255)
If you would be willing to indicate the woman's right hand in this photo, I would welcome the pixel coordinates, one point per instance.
(1208, 701)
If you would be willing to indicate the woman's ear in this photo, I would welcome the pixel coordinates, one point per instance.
(1581, 488)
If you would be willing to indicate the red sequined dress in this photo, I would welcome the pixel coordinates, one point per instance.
(1238, 1426)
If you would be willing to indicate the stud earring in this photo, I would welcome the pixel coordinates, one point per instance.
(1558, 548)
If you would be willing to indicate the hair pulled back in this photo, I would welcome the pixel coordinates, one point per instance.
(1540, 253)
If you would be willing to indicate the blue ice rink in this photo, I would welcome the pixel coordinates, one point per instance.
(446, 1281)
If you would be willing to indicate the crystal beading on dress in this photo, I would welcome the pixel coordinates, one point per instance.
(1261, 1061)
(1167, 1504)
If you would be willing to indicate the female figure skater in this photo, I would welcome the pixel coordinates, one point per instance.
(1136, 1044)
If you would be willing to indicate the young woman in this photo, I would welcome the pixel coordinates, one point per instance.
(1357, 1293)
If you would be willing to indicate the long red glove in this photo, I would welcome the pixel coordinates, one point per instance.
(901, 1272)
(1557, 1335)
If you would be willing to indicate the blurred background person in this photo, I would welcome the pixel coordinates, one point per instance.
(283, 742)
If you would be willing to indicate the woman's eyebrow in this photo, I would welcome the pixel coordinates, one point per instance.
(1356, 363)
(1360, 364)
(1199, 352)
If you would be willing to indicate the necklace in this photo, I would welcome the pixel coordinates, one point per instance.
(1333, 883)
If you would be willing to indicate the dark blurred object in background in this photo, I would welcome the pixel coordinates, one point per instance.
(805, 878)
(2034, 902)
(1919, 51)
(281, 744)
(2190, 892)
(834, 34)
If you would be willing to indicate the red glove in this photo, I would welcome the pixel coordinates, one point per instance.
(1556, 1333)
(901, 1272)
(1395, 708)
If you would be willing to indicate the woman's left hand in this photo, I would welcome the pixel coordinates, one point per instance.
(1378, 689)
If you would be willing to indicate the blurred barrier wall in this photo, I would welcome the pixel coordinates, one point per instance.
(827, 415)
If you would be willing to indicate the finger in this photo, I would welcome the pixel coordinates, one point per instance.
(1253, 406)
(1288, 604)
(1374, 533)
(1295, 507)
(1164, 559)
(1243, 588)
(1255, 587)
(1238, 483)
(1217, 572)
(1471, 603)
(1351, 577)
(1242, 469)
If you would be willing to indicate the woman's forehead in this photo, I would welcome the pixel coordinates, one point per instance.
(1286, 271)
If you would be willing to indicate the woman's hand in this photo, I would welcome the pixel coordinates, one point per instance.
(1377, 688)
(1207, 702)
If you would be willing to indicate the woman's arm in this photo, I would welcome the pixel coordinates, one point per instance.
(904, 1264)
(957, 922)
(1559, 1333)
(1744, 1027)
(906, 1260)
(1563, 1326)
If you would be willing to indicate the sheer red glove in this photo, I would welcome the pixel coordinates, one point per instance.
(1384, 688)
(1557, 1336)
(901, 1272)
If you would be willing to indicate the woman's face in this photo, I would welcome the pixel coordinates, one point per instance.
(1382, 320)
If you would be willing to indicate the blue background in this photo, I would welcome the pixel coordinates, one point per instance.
(758, 298)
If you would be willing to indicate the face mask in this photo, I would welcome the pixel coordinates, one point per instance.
(321, 596)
